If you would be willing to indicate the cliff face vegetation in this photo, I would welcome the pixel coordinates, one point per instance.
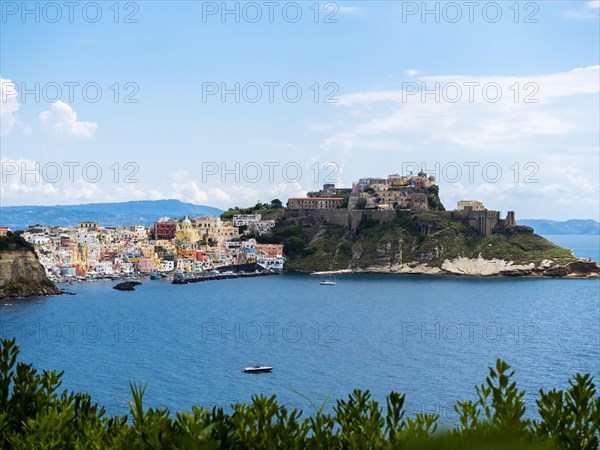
(21, 274)
(421, 242)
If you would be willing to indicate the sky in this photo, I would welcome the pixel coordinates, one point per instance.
(228, 103)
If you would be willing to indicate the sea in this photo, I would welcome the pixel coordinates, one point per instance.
(432, 338)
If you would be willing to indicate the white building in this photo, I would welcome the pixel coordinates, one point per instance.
(104, 267)
(240, 220)
(140, 231)
(167, 265)
(36, 239)
(261, 227)
(85, 237)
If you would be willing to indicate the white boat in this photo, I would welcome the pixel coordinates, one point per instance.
(258, 369)
(331, 280)
(269, 263)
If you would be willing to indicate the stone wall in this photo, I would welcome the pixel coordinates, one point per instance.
(342, 217)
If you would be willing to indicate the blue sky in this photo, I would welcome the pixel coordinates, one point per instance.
(527, 140)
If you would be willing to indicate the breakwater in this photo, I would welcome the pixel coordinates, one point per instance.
(221, 276)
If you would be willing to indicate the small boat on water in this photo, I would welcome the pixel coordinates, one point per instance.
(257, 369)
(330, 281)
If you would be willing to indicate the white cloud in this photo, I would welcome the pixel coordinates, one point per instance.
(283, 191)
(9, 106)
(189, 191)
(353, 10)
(131, 191)
(62, 120)
(412, 72)
(389, 128)
(23, 176)
(588, 12)
(81, 190)
(581, 80)
(185, 188)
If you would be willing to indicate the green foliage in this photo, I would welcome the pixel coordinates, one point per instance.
(361, 203)
(426, 237)
(258, 208)
(434, 189)
(522, 249)
(294, 246)
(34, 415)
(276, 204)
(14, 241)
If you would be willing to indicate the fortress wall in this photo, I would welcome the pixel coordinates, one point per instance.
(342, 217)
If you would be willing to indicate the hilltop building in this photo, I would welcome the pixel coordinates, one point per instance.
(473, 204)
(315, 203)
(88, 226)
(483, 220)
(395, 191)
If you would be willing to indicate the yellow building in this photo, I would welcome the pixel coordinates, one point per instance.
(378, 187)
(228, 232)
(400, 198)
(88, 226)
(185, 231)
(147, 251)
(474, 204)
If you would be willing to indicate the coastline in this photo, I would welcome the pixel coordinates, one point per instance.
(459, 267)
(480, 268)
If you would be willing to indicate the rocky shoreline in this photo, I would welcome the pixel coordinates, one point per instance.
(479, 267)
(22, 275)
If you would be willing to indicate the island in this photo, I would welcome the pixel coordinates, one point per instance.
(393, 225)
(399, 225)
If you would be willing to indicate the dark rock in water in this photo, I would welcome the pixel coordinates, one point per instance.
(576, 269)
(521, 272)
(126, 286)
(557, 271)
(583, 268)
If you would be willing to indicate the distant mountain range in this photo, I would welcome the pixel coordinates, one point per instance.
(542, 226)
(144, 212)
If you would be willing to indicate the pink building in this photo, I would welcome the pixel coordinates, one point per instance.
(269, 250)
(146, 265)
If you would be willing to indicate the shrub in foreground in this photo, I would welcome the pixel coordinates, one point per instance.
(33, 414)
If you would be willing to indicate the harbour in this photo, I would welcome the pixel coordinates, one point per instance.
(429, 337)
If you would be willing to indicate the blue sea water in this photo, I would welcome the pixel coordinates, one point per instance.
(429, 337)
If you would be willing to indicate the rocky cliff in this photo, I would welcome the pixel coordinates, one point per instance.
(421, 243)
(21, 273)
